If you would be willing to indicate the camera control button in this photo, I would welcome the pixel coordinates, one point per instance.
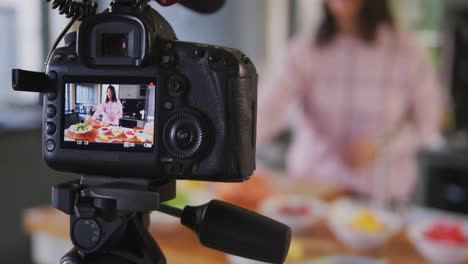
(57, 57)
(52, 95)
(183, 135)
(168, 60)
(71, 57)
(51, 128)
(50, 145)
(176, 85)
(51, 111)
(169, 106)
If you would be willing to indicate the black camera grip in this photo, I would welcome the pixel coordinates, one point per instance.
(237, 231)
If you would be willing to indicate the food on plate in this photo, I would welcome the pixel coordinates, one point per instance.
(102, 137)
(300, 213)
(367, 222)
(295, 210)
(96, 125)
(81, 127)
(447, 233)
(117, 132)
(141, 138)
(104, 130)
(130, 134)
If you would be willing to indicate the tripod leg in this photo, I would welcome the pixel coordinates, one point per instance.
(149, 247)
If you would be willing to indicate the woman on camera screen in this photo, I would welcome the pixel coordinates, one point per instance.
(111, 109)
(366, 91)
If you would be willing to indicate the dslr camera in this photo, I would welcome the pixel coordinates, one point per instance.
(125, 98)
(133, 109)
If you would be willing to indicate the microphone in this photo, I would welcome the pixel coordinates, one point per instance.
(199, 6)
(203, 6)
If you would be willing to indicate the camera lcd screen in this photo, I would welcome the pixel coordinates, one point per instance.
(107, 116)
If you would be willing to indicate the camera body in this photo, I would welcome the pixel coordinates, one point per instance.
(125, 98)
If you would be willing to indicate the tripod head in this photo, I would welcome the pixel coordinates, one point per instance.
(109, 220)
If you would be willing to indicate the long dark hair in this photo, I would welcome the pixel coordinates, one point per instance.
(373, 14)
(114, 95)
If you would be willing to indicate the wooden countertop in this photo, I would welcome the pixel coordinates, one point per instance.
(181, 246)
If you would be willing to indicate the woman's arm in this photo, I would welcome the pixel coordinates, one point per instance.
(120, 111)
(280, 86)
(98, 112)
(427, 100)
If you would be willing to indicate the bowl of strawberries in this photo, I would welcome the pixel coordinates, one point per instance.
(441, 241)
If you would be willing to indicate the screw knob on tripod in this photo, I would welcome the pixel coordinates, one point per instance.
(86, 233)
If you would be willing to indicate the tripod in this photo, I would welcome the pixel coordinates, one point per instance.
(109, 220)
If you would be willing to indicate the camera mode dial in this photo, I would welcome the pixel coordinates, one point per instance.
(183, 135)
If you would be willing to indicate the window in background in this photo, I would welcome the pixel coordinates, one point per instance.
(21, 47)
(8, 44)
(85, 94)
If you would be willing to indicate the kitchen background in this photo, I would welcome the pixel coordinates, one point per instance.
(261, 28)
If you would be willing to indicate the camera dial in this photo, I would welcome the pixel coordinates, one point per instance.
(183, 135)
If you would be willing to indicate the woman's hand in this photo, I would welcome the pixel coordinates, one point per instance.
(361, 153)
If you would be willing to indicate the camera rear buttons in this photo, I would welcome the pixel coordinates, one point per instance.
(50, 145)
(51, 111)
(176, 85)
(71, 57)
(57, 57)
(52, 95)
(51, 128)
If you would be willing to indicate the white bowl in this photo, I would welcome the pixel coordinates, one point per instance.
(104, 130)
(116, 132)
(436, 252)
(341, 216)
(316, 209)
(130, 136)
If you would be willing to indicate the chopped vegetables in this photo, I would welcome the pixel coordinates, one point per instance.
(81, 127)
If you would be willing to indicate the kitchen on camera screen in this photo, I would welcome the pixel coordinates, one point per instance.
(102, 116)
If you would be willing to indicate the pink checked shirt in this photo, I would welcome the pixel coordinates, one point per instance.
(111, 112)
(387, 91)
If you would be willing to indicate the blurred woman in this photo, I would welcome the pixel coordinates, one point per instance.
(365, 90)
(111, 109)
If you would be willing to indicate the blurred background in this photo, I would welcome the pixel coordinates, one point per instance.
(262, 29)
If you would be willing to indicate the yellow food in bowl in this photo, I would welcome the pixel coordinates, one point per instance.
(367, 222)
(103, 137)
(141, 139)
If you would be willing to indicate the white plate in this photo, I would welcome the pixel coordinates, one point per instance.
(73, 129)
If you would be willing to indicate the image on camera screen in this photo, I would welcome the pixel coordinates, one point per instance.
(109, 116)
